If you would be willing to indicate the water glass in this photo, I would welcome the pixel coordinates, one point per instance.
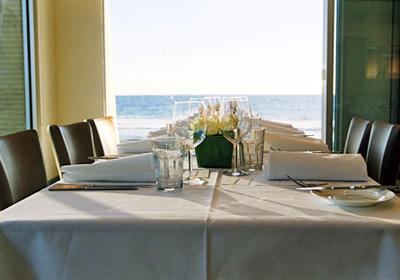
(256, 122)
(253, 149)
(168, 153)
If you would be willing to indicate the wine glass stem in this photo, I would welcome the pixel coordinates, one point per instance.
(235, 162)
(237, 156)
(190, 157)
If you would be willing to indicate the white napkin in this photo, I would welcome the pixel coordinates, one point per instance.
(267, 122)
(130, 147)
(309, 166)
(139, 168)
(286, 142)
(281, 129)
(157, 133)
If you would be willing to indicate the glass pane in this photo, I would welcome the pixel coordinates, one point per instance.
(12, 79)
(163, 51)
(367, 64)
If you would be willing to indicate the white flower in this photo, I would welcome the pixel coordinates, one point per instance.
(229, 122)
(199, 124)
(213, 125)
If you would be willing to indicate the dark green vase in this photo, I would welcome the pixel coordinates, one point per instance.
(214, 152)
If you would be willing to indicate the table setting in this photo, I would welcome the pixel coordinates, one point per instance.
(224, 135)
(252, 215)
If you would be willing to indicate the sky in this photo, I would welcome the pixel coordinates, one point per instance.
(217, 47)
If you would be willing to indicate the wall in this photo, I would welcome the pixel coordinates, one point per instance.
(70, 66)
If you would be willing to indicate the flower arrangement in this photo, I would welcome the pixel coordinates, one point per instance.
(215, 151)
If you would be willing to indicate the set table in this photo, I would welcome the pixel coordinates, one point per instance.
(260, 230)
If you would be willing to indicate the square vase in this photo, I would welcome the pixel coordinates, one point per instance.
(214, 152)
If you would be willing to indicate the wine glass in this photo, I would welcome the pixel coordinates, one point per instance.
(215, 104)
(189, 121)
(207, 102)
(235, 120)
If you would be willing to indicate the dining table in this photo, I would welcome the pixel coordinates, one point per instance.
(229, 228)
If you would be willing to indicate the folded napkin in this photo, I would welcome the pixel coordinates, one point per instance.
(309, 166)
(131, 147)
(156, 133)
(139, 168)
(267, 122)
(286, 142)
(281, 129)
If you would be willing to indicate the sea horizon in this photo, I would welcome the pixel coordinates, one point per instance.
(137, 115)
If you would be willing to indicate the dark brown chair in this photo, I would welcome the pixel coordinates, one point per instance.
(72, 144)
(358, 137)
(22, 169)
(383, 154)
(105, 135)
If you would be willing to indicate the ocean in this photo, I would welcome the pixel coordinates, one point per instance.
(139, 114)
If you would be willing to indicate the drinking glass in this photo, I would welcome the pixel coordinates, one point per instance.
(236, 123)
(168, 154)
(189, 121)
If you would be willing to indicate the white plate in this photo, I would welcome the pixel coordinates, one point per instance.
(355, 198)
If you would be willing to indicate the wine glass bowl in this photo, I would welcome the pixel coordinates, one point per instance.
(189, 121)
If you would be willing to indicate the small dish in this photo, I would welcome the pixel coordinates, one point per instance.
(355, 198)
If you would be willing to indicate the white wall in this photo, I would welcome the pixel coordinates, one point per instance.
(70, 66)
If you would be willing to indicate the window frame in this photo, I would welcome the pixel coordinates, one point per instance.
(29, 63)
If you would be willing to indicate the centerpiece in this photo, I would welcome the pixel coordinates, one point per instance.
(215, 151)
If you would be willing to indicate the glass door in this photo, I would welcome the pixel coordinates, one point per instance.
(367, 64)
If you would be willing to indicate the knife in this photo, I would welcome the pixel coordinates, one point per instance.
(353, 187)
(88, 187)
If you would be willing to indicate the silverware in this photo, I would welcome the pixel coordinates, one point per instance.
(319, 187)
(325, 152)
(302, 184)
(302, 135)
(97, 186)
(353, 187)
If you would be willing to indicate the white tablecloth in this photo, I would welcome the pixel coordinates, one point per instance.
(265, 230)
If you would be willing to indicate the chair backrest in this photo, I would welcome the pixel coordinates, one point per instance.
(358, 136)
(22, 167)
(383, 155)
(72, 144)
(105, 135)
(5, 190)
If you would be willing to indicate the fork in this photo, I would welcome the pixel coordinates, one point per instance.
(301, 183)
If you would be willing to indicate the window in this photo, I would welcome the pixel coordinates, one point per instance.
(268, 50)
(14, 74)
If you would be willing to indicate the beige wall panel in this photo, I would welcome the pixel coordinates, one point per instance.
(70, 62)
(46, 87)
(80, 59)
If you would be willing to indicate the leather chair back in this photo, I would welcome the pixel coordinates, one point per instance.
(358, 137)
(5, 191)
(383, 155)
(22, 166)
(72, 144)
(105, 135)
